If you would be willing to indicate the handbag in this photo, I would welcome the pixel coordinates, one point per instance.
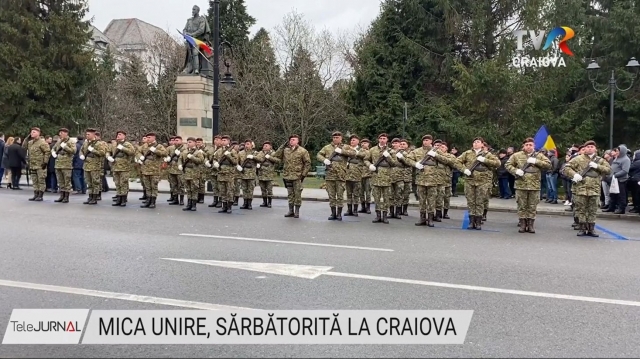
(614, 188)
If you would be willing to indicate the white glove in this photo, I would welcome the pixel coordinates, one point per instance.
(120, 147)
(419, 165)
(399, 155)
(326, 161)
(250, 157)
(189, 156)
(167, 159)
(258, 165)
(63, 145)
(207, 164)
(372, 168)
(338, 150)
(141, 158)
(177, 152)
(593, 164)
(110, 159)
(227, 153)
(481, 159)
(386, 154)
(90, 148)
(152, 149)
(179, 167)
(432, 153)
(267, 156)
(520, 172)
(138, 162)
(577, 178)
(54, 154)
(216, 164)
(82, 157)
(532, 160)
(239, 168)
(467, 172)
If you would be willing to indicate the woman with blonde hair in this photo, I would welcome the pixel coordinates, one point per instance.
(4, 163)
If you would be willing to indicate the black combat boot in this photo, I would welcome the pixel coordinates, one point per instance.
(445, 214)
(98, 197)
(472, 222)
(235, 200)
(201, 198)
(530, 222)
(115, 198)
(296, 214)
(35, 195)
(591, 230)
(39, 198)
(384, 217)
(144, 196)
(181, 201)
(224, 207)
(249, 203)
(391, 212)
(146, 203)
(88, 199)
(94, 199)
(193, 206)
(378, 217)
(349, 211)
(332, 217)
(215, 202)
(152, 203)
(576, 223)
(219, 204)
(368, 208)
(399, 212)
(364, 208)
(173, 196)
(124, 201)
(60, 198)
(118, 202)
(339, 215)
(438, 216)
(478, 222)
(174, 200)
(405, 209)
(423, 219)
(430, 220)
(264, 202)
(522, 225)
(355, 210)
(582, 230)
(189, 205)
(244, 204)
(269, 202)
(66, 197)
(484, 215)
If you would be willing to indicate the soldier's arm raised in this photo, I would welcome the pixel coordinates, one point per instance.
(161, 151)
(542, 162)
(279, 154)
(367, 159)
(259, 158)
(348, 151)
(274, 159)
(572, 167)
(604, 168)
(492, 161)
(70, 147)
(198, 159)
(510, 166)
(128, 149)
(233, 157)
(100, 150)
(322, 155)
(180, 161)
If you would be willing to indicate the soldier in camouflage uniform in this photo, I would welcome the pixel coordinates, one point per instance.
(63, 152)
(248, 161)
(397, 181)
(121, 159)
(586, 171)
(237, 190)
(267, 173)
(407, 176)
(380, 163)
(189, 162)
(138, 166)
(225, 159)
(213, 172)
(296, 165)
(446, 201)
(477, 165)
(175, 175)
(527, 166)
(151, 154)
(354, 176)
(335, 156)
(167, 166)
(38, 153)
(93, 153)
(365, 184)
(204, 175)
(487, 148)
(103, 186)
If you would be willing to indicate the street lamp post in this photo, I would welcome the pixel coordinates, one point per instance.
(227, 80)
(633, 66)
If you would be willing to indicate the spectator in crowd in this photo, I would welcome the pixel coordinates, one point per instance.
(4, 164)
(512, 178)
(51, 180)
(77, 177)
(16, 161)
(2, 145)
(456, 174)
(620, 171)
(552, 178)
(543, 180)
(503, 176)
(633, 185)
(566, 182)
(604, 184)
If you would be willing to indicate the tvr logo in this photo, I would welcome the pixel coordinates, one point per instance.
(566, 32)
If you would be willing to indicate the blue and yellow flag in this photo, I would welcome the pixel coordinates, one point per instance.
(543, 140)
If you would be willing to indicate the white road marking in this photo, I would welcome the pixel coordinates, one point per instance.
(287, 242)
(292, 270)
(119, 296)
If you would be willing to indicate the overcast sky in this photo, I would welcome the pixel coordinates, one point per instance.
(335, 15)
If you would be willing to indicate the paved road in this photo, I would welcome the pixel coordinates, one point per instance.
(121, 249)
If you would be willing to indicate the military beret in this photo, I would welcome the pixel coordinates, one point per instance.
(478, 139)
(437, 141)
(336, 133)
(190, 139)
(150, 134)
(528, 140)
(590, 143)
(122, 132)
(354, 136)
(233, 143)
(172, 138)
(178, 138)
(217, 136)
(63, 130)
(266, 143)
(443, 144)
(35, 129)
(294, 136)
(225, 137)
(98, 133)
(90, 130)
(248, 140)
(383, 135)
(580, 147)
(365, 140)
(198, 139)
(427, 137)
(395, 140)
(404, 140)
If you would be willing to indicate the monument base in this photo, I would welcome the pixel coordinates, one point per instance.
(195, 97)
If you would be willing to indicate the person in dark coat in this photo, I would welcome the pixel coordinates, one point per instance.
(634, 182)
(52, 180)
(1, 155)
(16, 161)
(503, 176)
(77, 177)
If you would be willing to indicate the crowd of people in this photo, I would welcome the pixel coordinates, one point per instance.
(387, 171)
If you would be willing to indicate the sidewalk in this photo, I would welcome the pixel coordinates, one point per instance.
(314, 194)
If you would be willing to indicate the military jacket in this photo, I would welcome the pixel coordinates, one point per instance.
(93, 160)
(249, 165)
(434, 171)
(190, 162)
(267, 169)
(382, 177)
(227, 159)
(122, 155)
(483, 173)
(151, 161)
(355, 165)
(38, 153)
(591, 177)
(63, 151)
(337, 170)
(172, 158)
(296, 162)
(532, 173)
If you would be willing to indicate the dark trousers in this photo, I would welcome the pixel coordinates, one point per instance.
(1, 175)
(454, 181)
(619, 200)
(77, 179)
(16, 173)
(512, 183)
(634, 189)
(52, 181)
(503, 185)
(105, 185)
(567, 188)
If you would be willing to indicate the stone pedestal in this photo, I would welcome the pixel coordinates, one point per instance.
(195, 97)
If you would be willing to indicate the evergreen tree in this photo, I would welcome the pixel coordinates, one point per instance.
(46, 65)
(235, 22)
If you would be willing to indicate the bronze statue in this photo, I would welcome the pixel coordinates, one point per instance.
(195, 62)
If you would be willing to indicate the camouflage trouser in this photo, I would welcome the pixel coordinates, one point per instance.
(382, 197)
(266, 187)
(397, 190)
(447, 197)
(39, 178)
(585, 207)
(294, 191)
(237, 187)
(440, 198)
(202, 189)
(177, 184)
(64, 180)
(248, 185)
(192, 187)
(406, 192)
(527, 203)
(365, 189)
(151, 185)
(121, 179)
(335, 190)
(486, 199)
(353, 192)
(427, 196)
(227, 190)
(94, 182)
(476, 197)
(214, 184)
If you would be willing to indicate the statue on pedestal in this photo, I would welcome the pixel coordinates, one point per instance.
(195, 62)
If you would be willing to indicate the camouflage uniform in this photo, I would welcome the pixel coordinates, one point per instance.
(477, 186)
(122, 157)
(527, 186)
(174, 175)
(407, 176)
(336, 175)
(397, 186)
(213, 175)
(586, 192)
(93, 155)
(225, 160)
(63, 151)
(266, 176)
(248, 166)
(190, 163)
(38, 153)
(151, 169)
(365, 185)
(204, 175)
(381, 180)
(296, 165)
(355, 169)
(404, 177)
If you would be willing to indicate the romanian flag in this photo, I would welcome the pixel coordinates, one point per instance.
(543, 140)
(199, 44)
